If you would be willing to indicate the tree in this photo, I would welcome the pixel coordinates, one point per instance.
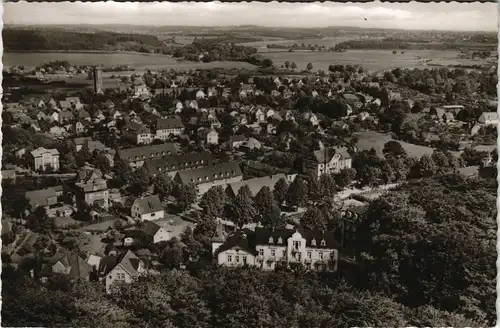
(287, 64)
(280, 191)
(313, 187)
(273, 218)
(163, 185)
(327, 186)
(264, 201)
(441, 161)
(123, 172)
(140, 181)
(309, 66)
(345, 177)
(102, 163)
(394, 149)
(39, 220)
(266, 63)
(313, 219)
(425, 167)
(240, 209)
(212, 202)
(297, 193)
(294, 66)
(171, 253)
(185, 195)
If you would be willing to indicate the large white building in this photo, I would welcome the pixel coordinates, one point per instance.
(268, 248)
(329, 160)
(43, 159)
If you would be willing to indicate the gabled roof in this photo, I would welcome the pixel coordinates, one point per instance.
(150, 228)
(242, 239)
(149, 204)
(263, 237)
(169, 123)
(152, 151)
(210, 173)
(77, 266)
(40, 151)
(129, 261)
(178, 162)
(326, 154)
(256, 184)
(41, 197)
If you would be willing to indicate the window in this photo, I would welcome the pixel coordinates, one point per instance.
(120, 276)
(273, 252)
(269, 264)
(244, 260)
(229, 258)
(296, 244)
(321, 255)
(261, 252)
(284, 253)
(271, 240)
(313, 242)
(309, 255)
(237, 259)
(323, 242)
(280, 240)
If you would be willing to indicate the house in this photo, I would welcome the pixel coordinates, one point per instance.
(156, 233)
(69, 264)
(488, 118)
(43, 197)
(140, 91)
(266, 248)
(171, 164)
(66, 116)
(147, 208)
(213, 137)
(140, 133)
(236, 141)
(255, 184)
(136, 156)
(90, 187)
(448, 117)
(165, 127)
(89, 143)
(124, 267)
(260, 115)
(75, 102)
(251, 144)
(54, 116)
(329, 160)
(178, 106)
(259, 169)
(246, 90)
(79, 128)
(42, 159)
(213, 175)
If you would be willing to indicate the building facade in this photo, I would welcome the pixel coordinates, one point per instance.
(43, 159)
(148, 208)
(268, 248)
(329, 160)
(90, 187)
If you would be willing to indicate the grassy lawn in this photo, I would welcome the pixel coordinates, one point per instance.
(376, 140)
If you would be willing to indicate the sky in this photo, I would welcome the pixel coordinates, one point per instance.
(414, 15)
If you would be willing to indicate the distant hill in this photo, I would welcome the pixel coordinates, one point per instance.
(29, 39)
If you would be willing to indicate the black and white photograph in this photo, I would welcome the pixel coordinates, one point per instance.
(249, 165)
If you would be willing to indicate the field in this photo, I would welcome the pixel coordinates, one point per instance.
(139, 61)
(376, 140)
(328, 42)
(373, 60)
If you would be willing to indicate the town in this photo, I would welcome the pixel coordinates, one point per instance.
(197, 181)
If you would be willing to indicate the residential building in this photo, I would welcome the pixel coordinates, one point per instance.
(171, 164)
(123, 267)
(165, 127)
(140, 133)
(329, 160)
(213, 137)
(269, 248)
(156, 233)
(91, 187)
(136, 156)
(69, 264)
(260, 169)
(141, 90)
(255, 184)
(236, 141)
(89, 143)
(148, 208)
(44, 197)
(488, 118)
(205, 178)
(42, 159)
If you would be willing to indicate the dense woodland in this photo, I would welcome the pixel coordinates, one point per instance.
(427, 258)
(389, 44)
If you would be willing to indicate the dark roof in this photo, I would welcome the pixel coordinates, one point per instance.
(141, 153)
(169, 123)
(151, 228)
(178, 162)
(326, 154)
(263, 235)
(78, 267)
(128, 260)
(210, 173)
(41, 197)
(149, 204)
(242, 239)
(237, 138)
(256, 184)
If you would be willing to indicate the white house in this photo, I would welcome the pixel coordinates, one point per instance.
(120, 268)
(165, 127)
(213, 137)
(156, 233)
(267, 248)
(147, 208)
(488, 118)
(329, 160)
